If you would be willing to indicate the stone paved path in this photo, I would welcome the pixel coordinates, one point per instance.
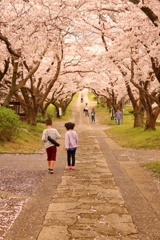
(87, 203)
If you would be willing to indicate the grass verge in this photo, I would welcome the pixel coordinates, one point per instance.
(154, 168)
(129, 137)
(125, 134)
(28, 140)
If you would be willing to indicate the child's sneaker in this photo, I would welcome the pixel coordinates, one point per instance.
(72, 167)
(51, 171)
(68, 167)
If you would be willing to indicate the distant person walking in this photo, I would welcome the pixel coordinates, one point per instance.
(81, 97)
(51, 149)
(118, 116)
(93, 113)
(86, 110)
(71, 140)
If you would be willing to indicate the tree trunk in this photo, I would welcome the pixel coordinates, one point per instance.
(138, 120)
(31, 117)
(151, 119)
(138, 115)
(43, 112)
(64, 108)
(57, 110)
(8, 99)
(150, 123)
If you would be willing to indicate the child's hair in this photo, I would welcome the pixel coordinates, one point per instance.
(69, 125)
(48, 122)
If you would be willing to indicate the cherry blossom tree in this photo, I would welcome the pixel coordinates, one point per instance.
(131, 37)
(95, 45)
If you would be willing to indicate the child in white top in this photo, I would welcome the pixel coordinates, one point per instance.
(51, 149)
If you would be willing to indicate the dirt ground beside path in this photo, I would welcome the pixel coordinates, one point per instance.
(24, 180)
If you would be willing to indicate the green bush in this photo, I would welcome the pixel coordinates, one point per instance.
(9, 124)
(40, 119)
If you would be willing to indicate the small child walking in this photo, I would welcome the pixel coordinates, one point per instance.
(93, 113)
(71, 140)
(118, 116)
(51, 149)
